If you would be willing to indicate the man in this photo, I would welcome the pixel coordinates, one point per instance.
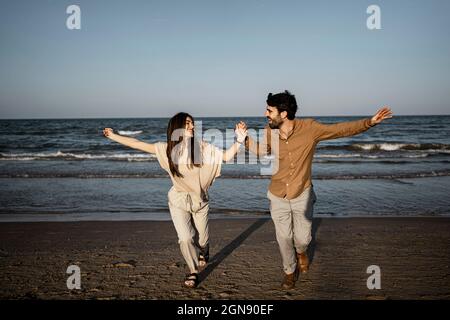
(291, 191)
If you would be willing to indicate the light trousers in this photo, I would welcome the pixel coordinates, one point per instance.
(293, 222)
(190, 218)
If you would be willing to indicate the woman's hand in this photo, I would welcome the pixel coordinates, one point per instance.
(129, 142)
(107, 132)
(240, 132)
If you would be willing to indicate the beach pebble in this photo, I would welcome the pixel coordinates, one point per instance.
(175, 265)
(125, 264)
(122, 265)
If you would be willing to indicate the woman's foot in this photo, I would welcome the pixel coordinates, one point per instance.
(203, 257)
(191, 280)
(202, 261)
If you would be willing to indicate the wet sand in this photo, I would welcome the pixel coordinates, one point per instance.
(141, 260)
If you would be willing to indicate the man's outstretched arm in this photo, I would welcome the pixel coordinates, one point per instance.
(346, 129)
(261, 148)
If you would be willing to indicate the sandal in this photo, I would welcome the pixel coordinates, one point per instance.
(191, 280)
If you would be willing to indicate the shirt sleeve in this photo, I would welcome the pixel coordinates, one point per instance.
(338, 130)
(212, 159)
(261, 148)
(161, 148)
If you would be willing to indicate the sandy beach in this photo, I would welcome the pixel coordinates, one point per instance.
(141, 260)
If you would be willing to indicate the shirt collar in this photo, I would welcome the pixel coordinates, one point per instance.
(290, 133)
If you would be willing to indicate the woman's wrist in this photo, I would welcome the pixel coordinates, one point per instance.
(240, 140)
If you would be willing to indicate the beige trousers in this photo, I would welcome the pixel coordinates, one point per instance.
(293, 221)
(190, 218)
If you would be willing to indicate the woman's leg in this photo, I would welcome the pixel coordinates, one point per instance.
(181, 219)
(200, 218)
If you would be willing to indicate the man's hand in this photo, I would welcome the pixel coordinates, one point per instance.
(382, 114)
(107, 132)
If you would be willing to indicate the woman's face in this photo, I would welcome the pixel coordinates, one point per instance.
(189, 128)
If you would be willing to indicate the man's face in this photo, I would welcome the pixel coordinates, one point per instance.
(273, 117)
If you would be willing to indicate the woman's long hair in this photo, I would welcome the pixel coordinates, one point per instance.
(175, 135)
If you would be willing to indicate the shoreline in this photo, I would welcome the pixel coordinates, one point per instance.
(165, 217)
(141, 199)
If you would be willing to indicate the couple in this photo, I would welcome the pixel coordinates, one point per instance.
(193, 165)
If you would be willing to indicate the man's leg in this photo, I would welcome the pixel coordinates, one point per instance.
(280, 210)
(302, 214)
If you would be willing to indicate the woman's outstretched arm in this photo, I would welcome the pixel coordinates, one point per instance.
(241, 133)
(129, 142)
(231, 152)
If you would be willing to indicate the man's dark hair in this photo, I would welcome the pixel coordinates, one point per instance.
(284, 101)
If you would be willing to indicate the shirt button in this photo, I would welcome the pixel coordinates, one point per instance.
(287, 142)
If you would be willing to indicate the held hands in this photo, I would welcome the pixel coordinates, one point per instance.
(240, 132)
(382, 114)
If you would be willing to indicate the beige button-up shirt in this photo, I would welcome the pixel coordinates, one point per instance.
(294, 155)
(195, 180)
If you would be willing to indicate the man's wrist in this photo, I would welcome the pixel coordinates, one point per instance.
(113, 136)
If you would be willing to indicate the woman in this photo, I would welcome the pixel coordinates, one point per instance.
(192, 166)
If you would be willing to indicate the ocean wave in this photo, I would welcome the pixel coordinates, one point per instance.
(81, 175)
(393, 176)
(379, 161)
(142, 157)
(354, 155)
(73, 156)
(426, 147)
(337, 176)
(129, 133)
(370, 156)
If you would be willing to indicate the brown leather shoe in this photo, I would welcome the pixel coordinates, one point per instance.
(289, 280)
(302, 262)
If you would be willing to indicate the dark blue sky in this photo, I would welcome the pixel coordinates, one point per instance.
(222, 58)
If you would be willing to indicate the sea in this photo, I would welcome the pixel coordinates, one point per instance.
(66, 170)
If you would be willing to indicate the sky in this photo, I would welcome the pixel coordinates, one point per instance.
(222, 58)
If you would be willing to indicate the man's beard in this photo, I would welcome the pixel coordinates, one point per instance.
(275, 124)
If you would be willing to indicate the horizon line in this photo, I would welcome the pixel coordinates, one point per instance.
(168, 117)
